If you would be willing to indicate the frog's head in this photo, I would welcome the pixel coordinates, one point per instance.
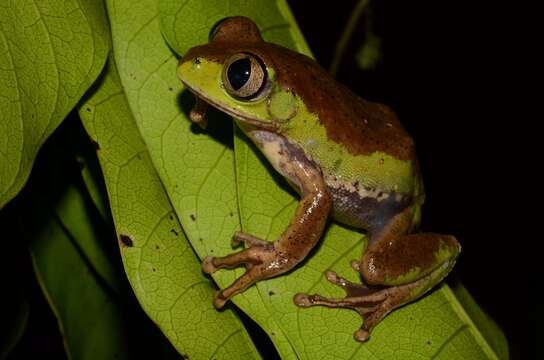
(236, 73)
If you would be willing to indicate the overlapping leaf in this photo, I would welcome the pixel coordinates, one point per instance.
(160, 264)
(92, 178)
(76, 217)
(90, 317)
(50, 53)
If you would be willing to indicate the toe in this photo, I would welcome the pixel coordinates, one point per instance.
(219, 300)
(331, 276)
(302, 300)
(207, 265)
(361, 335)
(356, 265)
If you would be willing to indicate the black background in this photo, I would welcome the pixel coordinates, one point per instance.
(446, 71)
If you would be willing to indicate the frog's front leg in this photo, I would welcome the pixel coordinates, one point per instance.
(398, 268)
(265, 259)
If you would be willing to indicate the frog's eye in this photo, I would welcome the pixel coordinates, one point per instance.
(244, 77)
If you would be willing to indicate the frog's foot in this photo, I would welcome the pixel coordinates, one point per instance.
(261, 260)
(373, 303)
(248, 239)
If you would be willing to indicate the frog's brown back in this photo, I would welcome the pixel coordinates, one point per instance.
(362, 126)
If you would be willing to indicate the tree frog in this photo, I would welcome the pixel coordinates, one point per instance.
(347, 157)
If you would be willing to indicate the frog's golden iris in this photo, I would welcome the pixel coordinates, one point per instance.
(244, 76)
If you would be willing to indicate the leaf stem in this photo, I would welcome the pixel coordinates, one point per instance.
(346, 35)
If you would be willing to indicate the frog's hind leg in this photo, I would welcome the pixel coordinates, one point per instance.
(397, 267)
(372, 303)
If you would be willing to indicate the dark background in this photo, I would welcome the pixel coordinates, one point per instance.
(446, 71)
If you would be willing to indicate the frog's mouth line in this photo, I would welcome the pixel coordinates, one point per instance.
(252, 121)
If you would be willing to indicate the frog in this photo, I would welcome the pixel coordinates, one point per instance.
(348, 158)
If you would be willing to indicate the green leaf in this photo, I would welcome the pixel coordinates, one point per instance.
(94, 183)
(185, 24)
(197, 171)
(75, 215)
(90, 320)
(160, 264)
(69, 239)
(487, 327)
(436, 326)
(51, 51)
(369, 54)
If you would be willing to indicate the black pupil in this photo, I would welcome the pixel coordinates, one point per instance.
(239, 73)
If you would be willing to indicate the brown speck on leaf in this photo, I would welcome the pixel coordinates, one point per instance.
(88, 109)
(126, 240)
(153, 269)
(270, 293)
(231, 214)
(174, 232)
(193, 217)
(157, 247)
(201, 239)
(95, 144)
(171, 89)
(171, 217)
